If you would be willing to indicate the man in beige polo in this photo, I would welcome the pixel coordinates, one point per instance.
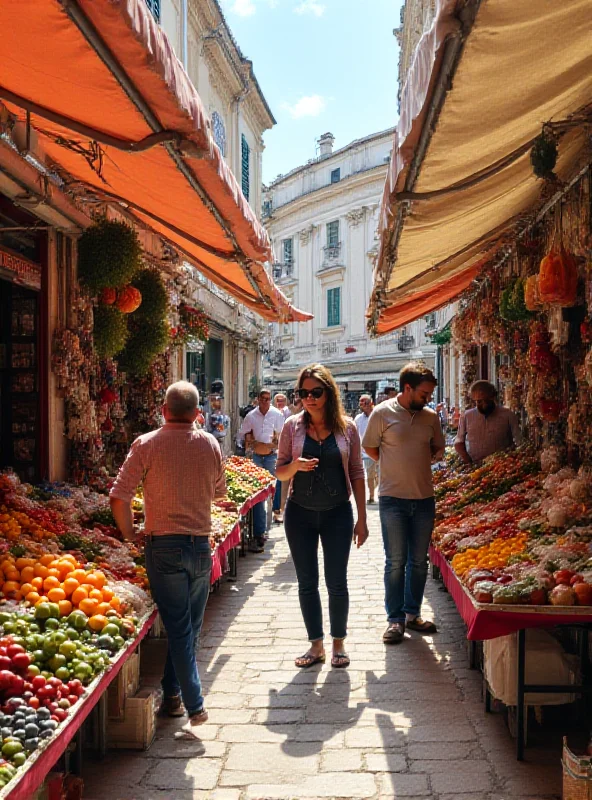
(405, 437)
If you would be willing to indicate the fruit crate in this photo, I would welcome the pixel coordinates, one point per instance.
(577, 775)
(125, 685)
(138, 728)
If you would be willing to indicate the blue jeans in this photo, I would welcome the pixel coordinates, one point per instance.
(277, 498)
(178, 568)
(335, 529)
(406, 532)
(259, 515)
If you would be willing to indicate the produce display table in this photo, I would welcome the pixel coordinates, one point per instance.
(224, 549)
(490, 621)
(26, 782)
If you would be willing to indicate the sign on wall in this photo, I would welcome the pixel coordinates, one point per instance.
(20, 270)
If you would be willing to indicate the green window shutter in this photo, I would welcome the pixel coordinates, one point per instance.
(333, 233)
(245, 165)
(333, 307)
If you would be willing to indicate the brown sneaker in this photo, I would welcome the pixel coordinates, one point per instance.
(172, 706)
(199, 717)
(394, 634)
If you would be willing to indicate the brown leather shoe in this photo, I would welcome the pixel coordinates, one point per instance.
(394, 634)
(421, 625)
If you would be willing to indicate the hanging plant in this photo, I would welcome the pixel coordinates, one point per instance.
(129, 299)
(147, 340)
(193, 326)
(109, 255)
(442, 337)
(543, 155)
(109, 331)
(512, 307)
(153, 293)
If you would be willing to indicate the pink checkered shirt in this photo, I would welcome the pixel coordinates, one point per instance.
(180, 468)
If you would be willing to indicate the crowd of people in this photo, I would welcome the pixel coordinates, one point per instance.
(321, 459)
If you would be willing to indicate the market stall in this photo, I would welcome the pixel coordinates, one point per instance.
(74, 606)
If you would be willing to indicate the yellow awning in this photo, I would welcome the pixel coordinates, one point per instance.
(484, 80)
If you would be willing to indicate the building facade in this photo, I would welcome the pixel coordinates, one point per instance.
(239, 116)
(322, 219)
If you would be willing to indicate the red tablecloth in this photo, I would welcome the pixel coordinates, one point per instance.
(261, 495)
(34, 776)
(489, 621)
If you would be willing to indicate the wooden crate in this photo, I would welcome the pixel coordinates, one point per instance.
(125, 685)
(137, 729)
(577, 775)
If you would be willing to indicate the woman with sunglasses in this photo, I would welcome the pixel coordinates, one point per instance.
(321, 455)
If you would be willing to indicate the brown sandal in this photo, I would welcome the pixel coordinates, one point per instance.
(340, 660)
(307, 660)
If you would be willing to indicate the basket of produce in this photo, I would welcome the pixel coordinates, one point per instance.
(577, 775)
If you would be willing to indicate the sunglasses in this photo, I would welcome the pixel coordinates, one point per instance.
(317, 392)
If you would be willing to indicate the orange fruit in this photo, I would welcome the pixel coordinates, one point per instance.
(88, 606)
(42, 599)
(10, 587)
(47, 559)
(79, 574)
(102, 608)
(55, 573)
(26, 588)
(107, 594)
(91, 580)
(56, 594)
(115, 602)
(97, 622)
(41, 570)
(51, 582)
(70, 585)
(100, 578)
(79, 595)
(96, 594)
(70, 557)
(21, 563)
(37, 583)
(12, 575)
(27, 574)
(65, 607)
(32, 597)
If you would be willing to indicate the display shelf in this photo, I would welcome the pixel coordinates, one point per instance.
(32, 775)
(489, 620)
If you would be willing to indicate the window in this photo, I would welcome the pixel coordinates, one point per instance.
(245, 159)
(154, 7)
(333, 233)
(333, 307)
(288, 250)
(219, 132)
(335, 175)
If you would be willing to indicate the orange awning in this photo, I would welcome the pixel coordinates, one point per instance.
(115, 111)
(484, 80)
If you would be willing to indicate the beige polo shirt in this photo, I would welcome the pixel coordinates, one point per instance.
(404, 439)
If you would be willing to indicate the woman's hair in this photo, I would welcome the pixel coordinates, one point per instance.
(335, 418)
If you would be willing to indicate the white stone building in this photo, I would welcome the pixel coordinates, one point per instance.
(322, 219)
(239, 115)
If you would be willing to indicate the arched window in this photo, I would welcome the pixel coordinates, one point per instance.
(219, 132)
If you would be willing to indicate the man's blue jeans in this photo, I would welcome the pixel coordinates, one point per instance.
(259, 515)
(178, 568)
(407, 527)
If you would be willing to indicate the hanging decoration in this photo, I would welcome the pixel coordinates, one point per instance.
(109, 255)
(192, 327)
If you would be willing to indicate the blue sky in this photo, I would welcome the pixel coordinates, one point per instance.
(323, 65)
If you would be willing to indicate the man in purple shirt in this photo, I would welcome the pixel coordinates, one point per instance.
(487, 428)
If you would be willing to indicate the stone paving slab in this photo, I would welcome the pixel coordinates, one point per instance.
(402, 722)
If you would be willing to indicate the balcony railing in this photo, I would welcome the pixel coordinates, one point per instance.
(406, 342)
(332, 256)
(281, 271)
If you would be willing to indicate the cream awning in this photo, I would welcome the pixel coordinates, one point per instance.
(484, 80)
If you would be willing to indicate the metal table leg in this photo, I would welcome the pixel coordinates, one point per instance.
(233, 564)
(473, 655)
(520, 708)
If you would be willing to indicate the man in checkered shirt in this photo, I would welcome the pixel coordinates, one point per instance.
(487, 428)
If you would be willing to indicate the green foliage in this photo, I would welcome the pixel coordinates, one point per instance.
(110, 331)
(154, 296)
(543, 155)
(512, 306)
(442, 337)
(148, 338)
(109, 254)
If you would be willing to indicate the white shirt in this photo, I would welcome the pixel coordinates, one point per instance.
(361, 421)
(262, 426)
(285, 411)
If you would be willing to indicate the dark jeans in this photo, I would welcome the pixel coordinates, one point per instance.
(406, 532)
(179, 569)
(335, 529)
(259, 515)
(277, 498)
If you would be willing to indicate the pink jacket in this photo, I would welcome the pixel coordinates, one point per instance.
(291, 445)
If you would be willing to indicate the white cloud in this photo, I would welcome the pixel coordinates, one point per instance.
(244, 8)
(310, 7)
(310, 106)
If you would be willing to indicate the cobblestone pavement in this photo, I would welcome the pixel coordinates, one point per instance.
(404, 721)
